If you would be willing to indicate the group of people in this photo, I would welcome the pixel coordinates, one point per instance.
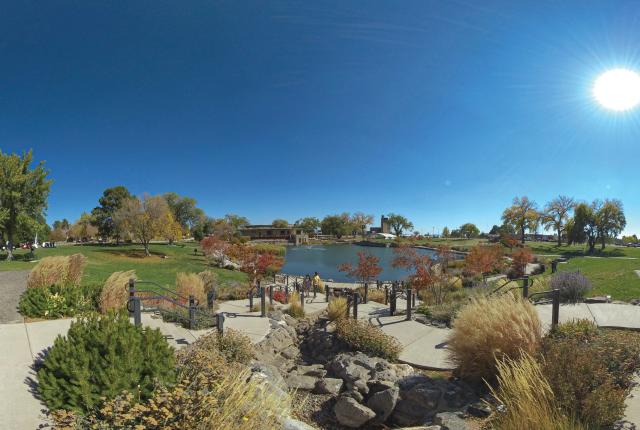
(310, 284)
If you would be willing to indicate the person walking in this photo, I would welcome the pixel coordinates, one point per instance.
(307, 284)
(316, 282)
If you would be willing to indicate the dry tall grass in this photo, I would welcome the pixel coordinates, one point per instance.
(528, 398)
(491, 328)
(75, 269)
(210, 280)
(115, 291)
(337, 308)
(191, 284)
(59, 270)
(376, 295)
(295, 308)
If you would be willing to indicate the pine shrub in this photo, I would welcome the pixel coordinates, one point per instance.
(364, 337)
(59, 301)
(100, 357)
(490, 329)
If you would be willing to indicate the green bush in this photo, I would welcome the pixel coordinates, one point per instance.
(362, 336)
(100, 357)
(590, 370)
(58, 301)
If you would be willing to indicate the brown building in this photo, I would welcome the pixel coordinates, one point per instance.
(384, 226)
(290, 234)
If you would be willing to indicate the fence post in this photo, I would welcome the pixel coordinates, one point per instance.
(137, 311)
(554, 266)
(250, 299)
(555, 309)
(192, 312)
(286, 294)
(356, 299)
(271, 295)
(525, 286)
(386, 295)
(302, 297)
(413, 298)
(220, 323)
(348, 306)
(132, 294)
(366, 293)
(408, 293)
(392, 300)
(211, 298)
(263, 302)
(326, 293)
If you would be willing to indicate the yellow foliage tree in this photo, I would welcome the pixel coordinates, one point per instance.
(144, 219)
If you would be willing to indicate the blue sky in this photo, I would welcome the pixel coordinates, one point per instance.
(440, 110)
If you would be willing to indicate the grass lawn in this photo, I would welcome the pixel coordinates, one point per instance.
(102, 261)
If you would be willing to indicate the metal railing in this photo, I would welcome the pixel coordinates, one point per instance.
(178, 306)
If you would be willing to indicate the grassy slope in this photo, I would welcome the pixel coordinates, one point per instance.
(104, 260)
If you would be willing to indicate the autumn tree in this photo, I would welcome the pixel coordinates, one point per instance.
(367, 269)
(519, 260)
(143, 219)
(183, 209)
(102, 215)
(522, 215)
(308, 224)
(556, 213)
(446, 232)
(399, 224)
(256, 263)
(336, 225)
(215, 249)
(469, 230)
(360, 221)
(173, 230)
(610, 220)
(484, 259)
(427, 274)
(23, 196)
(280, 223)
(83, 229)
(59, 230)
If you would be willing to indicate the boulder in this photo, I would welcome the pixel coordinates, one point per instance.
(301, 382)
(290, 352)
(352, 414)
(328, 386)
(270, 381)
(479, 409)
(293, 424)
(383, 403)
(450, 421)
(419, 402)
(316, 370)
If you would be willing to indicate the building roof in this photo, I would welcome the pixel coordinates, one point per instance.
(265, 227)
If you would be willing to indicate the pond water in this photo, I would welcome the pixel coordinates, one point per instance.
(325, 259)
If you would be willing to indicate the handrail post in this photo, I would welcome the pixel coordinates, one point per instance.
(286, 294)
(326, 293)
(263, 301)
(302, 297)
(408, 293)
(413, 298)
(192, 312)
(554, 266)
(525, 286)
(137, 311)
(250, 299)
(220, 323)
(386, 295)
(356, 299)
(271, 295)
(392, 300)
(366, 293)
(348, 306)
(555, 309)
(132, 294)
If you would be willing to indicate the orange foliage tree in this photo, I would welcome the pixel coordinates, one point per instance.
(520, 257)
(255, 263)
(214, 248)
(366, 270)
(484, 259)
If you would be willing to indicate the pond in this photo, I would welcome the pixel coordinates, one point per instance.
(325, 259)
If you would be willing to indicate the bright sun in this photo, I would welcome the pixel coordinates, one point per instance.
(618, 89)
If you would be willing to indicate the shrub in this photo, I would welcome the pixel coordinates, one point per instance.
(191, 284)
(337, 308)
(279, 296)
(100, 357)
(362, 336)
(528, 398)
(444, 313)
(519, 260)
(376, 295)
(491, 328)
(573, 286)
(295, 308)
(59, 301)
(115, 291)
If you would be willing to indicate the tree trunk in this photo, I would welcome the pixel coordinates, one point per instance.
(602, 239)
(146, 249)
(559, 239)
(522, 234)
(9, 244)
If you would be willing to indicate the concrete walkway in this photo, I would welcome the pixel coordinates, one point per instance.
(12, 285)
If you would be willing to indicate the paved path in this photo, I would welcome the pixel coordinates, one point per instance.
(12, 285)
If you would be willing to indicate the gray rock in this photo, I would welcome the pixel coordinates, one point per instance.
(352, 414)
(290, 320)
(424, 395)
(479, 409)
(328, 386)
(383, 403)
(316, 370)
(290, 352)
(354, 393)
(376, 385)
(450, 421)
(434, 427)
(293, 424)
(301, 382)
(270, 381)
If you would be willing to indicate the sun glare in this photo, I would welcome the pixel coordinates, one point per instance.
(618, 89)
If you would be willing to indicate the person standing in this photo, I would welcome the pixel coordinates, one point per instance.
(316, 282)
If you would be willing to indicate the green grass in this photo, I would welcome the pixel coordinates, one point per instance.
(104, 260)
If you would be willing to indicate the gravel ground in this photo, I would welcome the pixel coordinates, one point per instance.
(12, 285)
(315, 409)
